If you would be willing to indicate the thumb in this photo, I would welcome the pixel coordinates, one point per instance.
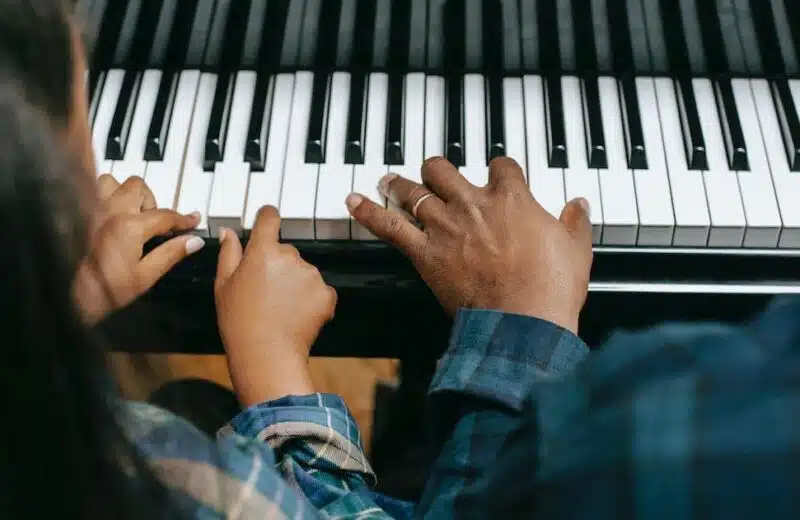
(575, 216)
(230, 256)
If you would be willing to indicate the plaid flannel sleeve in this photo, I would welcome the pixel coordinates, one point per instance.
(493, 361)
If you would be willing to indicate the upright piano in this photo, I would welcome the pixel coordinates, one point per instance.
(679, 121)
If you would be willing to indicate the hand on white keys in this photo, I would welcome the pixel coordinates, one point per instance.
(492, 247)
(115, 272)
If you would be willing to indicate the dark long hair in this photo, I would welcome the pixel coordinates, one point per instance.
(62, 448)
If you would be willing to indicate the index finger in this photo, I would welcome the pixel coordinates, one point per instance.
(267, 227)
(159, 222)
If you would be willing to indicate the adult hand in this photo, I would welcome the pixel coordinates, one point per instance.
(271, 306)
(116, 273)
(491, 247)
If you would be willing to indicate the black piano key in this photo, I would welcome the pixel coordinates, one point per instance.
(218, 123)
(328, 34)
(693, 139)
(675, 37)
(255, 149)
(318, 120)
(556, 133)
(273, 29)
(393, 150)
(106, 42)
(123, 115)
(493, 37)
(585, 45)
(731, 126)
(549, 44)
(364, 35)
(400, 34)
(356, 120)
(144, 36)
(496, 134)
(454, 148)
(620, 35)
(793, 14)
(769, 48)
(180, 29)
(789, 121)
(632, 125)
(162, 115)
(593, 124)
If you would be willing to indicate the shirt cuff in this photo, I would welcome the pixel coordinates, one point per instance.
(499, 356)
(321, 423)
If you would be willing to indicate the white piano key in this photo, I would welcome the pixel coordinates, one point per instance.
(413, 128)
(514, 111)
(104, 117)
(134, 164)
(617, 192)
(579, 179)
(692, 220)
(98, 92)
(787, 183)
(547, 184)
(335, 180)
(722, 186)
(163, 177)
(299, 191)
(434, 117)
(476, 169)
(653, 197)
(366, 176)
(757, 191)
(231, 175)
(265, 187)
(195, 188)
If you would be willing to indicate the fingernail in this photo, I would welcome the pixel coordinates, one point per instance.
(194, 245)
(223, 233)
(353, 201)
(585, 205)
(383, 185)
(194, 215)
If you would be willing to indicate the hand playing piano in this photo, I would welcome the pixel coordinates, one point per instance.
(271, 306)
(116, 273)
(491, 247)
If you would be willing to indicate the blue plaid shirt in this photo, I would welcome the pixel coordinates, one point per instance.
(681, 421)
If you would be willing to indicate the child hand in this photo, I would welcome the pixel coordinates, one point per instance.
(271, 306)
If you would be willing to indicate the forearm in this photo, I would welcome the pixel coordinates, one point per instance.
(268, 375)
(493, 363)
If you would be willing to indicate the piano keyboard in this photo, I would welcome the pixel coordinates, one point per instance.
(309, 149)
(678, 162)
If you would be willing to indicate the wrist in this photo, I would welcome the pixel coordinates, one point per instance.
(265, 374)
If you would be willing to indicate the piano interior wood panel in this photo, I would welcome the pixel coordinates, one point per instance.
(511, 44)
(436, 32)
(654, 28)
(383, 21)
(602, 37)
(529, 32)
(737, 64)
(566, 36)
(647, 59)
(252, 35)
(216, 37)
(418, 41)
(784, 36)
(473, 35)
(747, 37)
(347, 25)
(166, 21)
(125, 37)
(694, 42)
(308, 38)
(293, 33)
(198, 41)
